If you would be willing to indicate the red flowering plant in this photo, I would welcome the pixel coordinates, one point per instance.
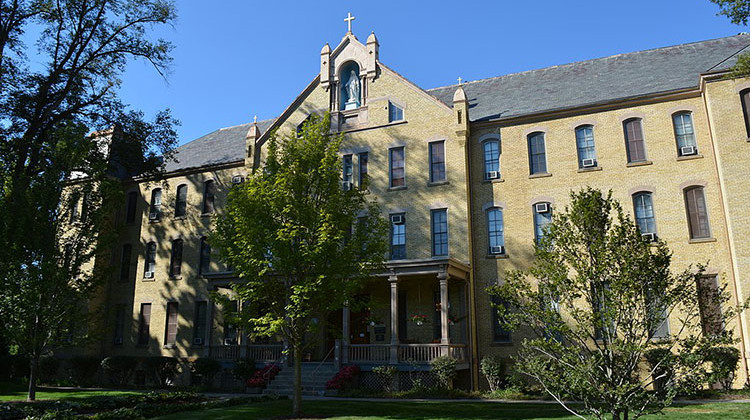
(262, 377)
(343, 378)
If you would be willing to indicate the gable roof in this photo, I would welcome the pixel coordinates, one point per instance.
(221, 146)
(596, 81)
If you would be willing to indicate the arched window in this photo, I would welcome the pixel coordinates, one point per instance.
(644, 214)
(209, 195)
(537, 154)
(542, 217)
(496, 231)
(154, 212)
(175, 262)
(695, 204)
(204, 265)
(684, 134)
(585, 146)
(180, 204)
(634, 144)
(150, 265)
(745, 99)
(491, 159)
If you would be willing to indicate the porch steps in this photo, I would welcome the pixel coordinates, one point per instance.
(314, 378)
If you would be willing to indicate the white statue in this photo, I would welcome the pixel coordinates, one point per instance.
(352, 89)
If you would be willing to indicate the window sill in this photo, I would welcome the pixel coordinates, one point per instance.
(639, 163)
(180, 218)
(397, 188)
(169, 346)
(540, 175)
(179, 277)
(497, 256)
(492, 181)
(154, 220)
(689, 157)
(437, 184)
(701, 240)
(591, 169)
(147, 279)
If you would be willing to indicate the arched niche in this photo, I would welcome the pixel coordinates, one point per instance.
(350, 86)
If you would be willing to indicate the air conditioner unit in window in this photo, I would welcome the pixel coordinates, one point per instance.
(493, 174)
(154, 215)
(118, 341)
(346, 185)
(230, 341)
(397, 219)
(148, 275)
(649, 237)
(198, 341)
(688, 150)
(589, 163)
(541, 207)
(497, 250)
(237, 179)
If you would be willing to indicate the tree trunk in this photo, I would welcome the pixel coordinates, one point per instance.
(32, 378)
(297, 398)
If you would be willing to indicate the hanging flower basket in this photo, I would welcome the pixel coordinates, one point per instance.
(419, 319)
(452, 319)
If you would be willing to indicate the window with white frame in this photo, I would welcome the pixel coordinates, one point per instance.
(439, 224)
(585, 146)
(496, 231)
(491, 159)
(398, 236)
(684, 134)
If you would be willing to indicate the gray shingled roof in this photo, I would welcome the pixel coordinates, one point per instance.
(596, 81)
(222, 146)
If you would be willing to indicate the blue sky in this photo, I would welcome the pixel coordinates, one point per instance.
(234, 59)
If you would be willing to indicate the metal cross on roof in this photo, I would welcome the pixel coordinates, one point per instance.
(459, 80)
(348, 20)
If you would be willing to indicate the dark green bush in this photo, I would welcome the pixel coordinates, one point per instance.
(83, 369)
(48, 366)
(205, 369)
(119, 369)
(724, 361)
(493, 368)
(386, 374)
(244, 369)
(444, 368)
(162, 369)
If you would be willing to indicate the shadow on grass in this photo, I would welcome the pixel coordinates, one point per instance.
(14, 391)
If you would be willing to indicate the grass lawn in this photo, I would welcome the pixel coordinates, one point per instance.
(441, 410)
(17, 392)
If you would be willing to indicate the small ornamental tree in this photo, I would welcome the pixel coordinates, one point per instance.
(299, 242)
(592, 306)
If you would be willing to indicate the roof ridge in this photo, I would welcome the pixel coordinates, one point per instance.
(596, 59)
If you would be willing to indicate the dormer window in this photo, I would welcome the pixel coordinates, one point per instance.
(351, 86)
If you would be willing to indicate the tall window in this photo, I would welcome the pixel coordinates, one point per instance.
(658, 318)
(131, 207)
(154, 212)
(75, 211)
(348, 169)
(499, 333)
(209, 195)
(537, 154)
(144, 323)
(709, 305)
(125, 260)
(175, 262)
(205, 257)
(180, 204)
(495, 230)
(150, 265)
(397, 170)
(170, 333)
(683, 131)
(585, 146)
(491, 159)
(695, 203)
(395, 113)
(437, 161)
(635, 146)
(745, 99)
(542, 217)
(363, 161)
(398, 236)
(85, 204)
(230, 330)
(119, 324)
(199, 332)
(644, 212)
(439, 232)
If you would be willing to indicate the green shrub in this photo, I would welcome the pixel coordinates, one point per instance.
(164, 369)
(493, 368)
(48, 366)
(724, 361)
(244, 369)
(663, 374)
(386, 373)
(119, 369)
(83, 369)
(444, 368)
(205, 369)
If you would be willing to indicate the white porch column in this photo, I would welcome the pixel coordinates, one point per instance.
(346, 314)
(444, 339)
(393, 280)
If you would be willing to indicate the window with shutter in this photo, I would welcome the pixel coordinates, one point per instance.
(695, 202)
(175, 265)
(170, 336)
(144, 324)
(635, 146)
(209, 196)
(745, 98)
(180, 206)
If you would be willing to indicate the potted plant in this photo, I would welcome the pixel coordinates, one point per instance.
(419, 319)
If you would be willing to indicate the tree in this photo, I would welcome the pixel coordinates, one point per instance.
(593, 305)
(738, 12)
(300, 243)
(64, 142)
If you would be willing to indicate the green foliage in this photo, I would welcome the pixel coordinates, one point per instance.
(590, 307)
(386, 374)
(206, 368)
(444, 368)
(724, 362)
(119, 369)
(162, 368)
(493, 368)
(83, 369)
(736, 10)
(741, 68)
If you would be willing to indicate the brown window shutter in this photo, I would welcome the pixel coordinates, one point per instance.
(697, 213)
(745, 98)
(171, 337)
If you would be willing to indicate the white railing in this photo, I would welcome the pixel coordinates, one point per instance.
(369, 353)
(225, 352)
(459, 352)
(418, 353)
(264, 352)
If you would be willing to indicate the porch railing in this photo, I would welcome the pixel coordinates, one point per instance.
(418, 353)
(459, 352)
(256, 352)
(359, 353)
(225, 352)
(407, 353)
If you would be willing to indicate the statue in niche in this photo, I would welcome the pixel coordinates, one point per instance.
(352, 89)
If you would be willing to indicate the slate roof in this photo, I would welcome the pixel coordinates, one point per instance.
(596, 81)
(222, 146)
